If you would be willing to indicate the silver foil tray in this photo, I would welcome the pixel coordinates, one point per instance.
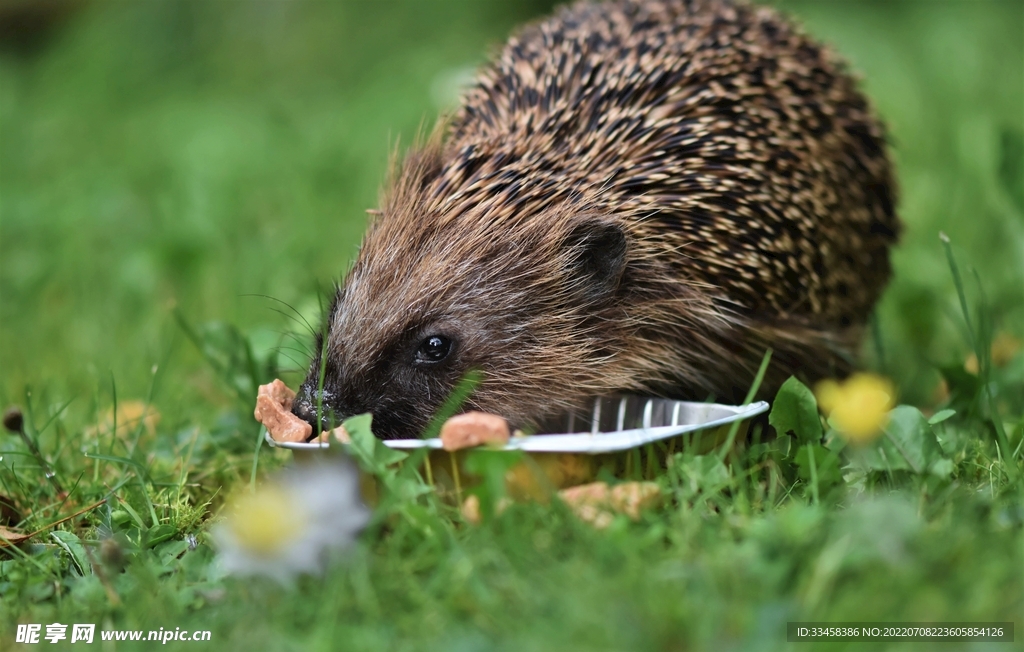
(613, 424)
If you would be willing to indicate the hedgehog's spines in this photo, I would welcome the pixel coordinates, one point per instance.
(747, 176)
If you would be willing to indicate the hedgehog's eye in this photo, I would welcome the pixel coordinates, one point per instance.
(434, 349)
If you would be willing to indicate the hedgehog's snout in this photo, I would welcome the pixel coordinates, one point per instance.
(308, 404)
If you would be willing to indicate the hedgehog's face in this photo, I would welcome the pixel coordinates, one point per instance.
(400, 384)
(415, 316)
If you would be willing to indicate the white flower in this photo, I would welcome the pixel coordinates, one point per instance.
(292, 524)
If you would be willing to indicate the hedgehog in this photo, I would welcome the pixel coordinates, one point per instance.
(635, 197)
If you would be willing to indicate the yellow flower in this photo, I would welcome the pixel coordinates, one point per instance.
(858, 407)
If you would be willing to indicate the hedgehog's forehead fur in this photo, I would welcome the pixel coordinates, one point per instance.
(470, 267)
(744, 173)
(506, 281)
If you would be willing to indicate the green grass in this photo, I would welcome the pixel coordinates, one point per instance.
(193, 159)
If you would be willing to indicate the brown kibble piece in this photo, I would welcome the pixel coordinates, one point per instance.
(594, 515)
(589, 494)
(273, 405)
(545, 472)
(471, 509)
(338, 434)
(631, 498)
(279, 392)
(594, 502)
(473, 429)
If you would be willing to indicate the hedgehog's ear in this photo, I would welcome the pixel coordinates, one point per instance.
(597, 256)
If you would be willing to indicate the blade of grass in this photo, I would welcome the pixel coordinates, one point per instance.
(751, 393)
(157, 368)
(958, 282)
(983, 358)
(197, 341)
(65, 519)
(55, 415)
(321, 376)
(256, 459)
(140, 473)
(32, 443)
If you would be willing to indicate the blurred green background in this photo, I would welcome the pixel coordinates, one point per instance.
(156, 155)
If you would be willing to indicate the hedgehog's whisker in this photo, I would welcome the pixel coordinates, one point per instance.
(299, 319)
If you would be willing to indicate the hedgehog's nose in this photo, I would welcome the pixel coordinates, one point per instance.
(306, 410)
